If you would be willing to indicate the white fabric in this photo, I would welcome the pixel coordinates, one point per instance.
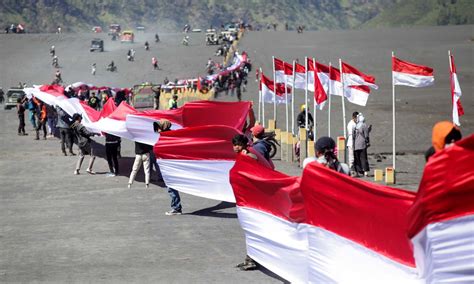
(335, 88)
(444, 251)
(356, 80)
(141, 128)
(334, 259)
(268, 96)
(42, 96)
(350, 130)
(457, 95)
(203, 178)
(311, 81)
(277, 244)
(324, 79)
(280, 76)
(356, 96)
(411, 80)
(300, 82)
(111, 126)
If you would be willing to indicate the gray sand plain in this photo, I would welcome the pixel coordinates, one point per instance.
(57, 227)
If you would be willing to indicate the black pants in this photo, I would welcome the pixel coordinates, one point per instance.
(41, 125)
(361, 163)
(111, 151)
(21, 125)
(66, 138)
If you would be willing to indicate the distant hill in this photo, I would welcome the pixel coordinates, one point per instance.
(79, 15)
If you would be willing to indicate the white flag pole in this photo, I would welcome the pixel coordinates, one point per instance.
(393, 116)
(286, 106)
(306, 92)
(274, 91)
(314, 100)
(452, 86)
(293, 102)
(260, 98)
(329, 102)
(263, 101)
(343, 103)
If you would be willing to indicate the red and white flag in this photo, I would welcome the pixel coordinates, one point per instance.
(335, 84)
(197, 160)
(300, 81)
(358, 95)
(283, 71)
(314, 73)
(268, 94)
(441, 220)
(354, 77)
(409, 74)
(455, 94)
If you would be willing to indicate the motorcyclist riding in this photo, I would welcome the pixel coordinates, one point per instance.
(111, 67)
(157, 38)
(147, 46)
(186, 40)
(55, 62)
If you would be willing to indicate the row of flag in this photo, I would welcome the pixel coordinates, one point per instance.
(353, 83)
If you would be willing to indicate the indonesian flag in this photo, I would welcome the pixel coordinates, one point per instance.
(300, 81)
(455, 94)
(197, 160)
(283, 71)
(353, 77)
(320, 95)
(441, 221)
(409, 74)
(267, 87)
(335, 85)
(324, 227)
(358, 95)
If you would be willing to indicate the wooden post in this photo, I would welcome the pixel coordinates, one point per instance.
(303, 146)
(284, 146)
(271, 125)
(341, 148)
(378, 175)
(311, 151)
(389, 175)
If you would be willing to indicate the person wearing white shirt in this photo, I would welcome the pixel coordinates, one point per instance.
(350, 140)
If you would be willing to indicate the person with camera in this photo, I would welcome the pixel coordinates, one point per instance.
(84, 142)
(325, 155)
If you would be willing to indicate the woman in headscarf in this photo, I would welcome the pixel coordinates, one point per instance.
(361, 142)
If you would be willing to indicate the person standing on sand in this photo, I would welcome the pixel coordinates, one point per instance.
(361, 143)
(142, 156)
(112, 144)
(20, 110)
(350, 141)
(84, 142)
(173, 103)
(42, 115)
(93, 69)
(154, 62)
(65, 132)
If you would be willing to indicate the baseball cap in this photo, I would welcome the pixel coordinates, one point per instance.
(257, 129)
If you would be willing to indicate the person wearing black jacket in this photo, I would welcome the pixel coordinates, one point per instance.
(65, 133)
(84, 142)
(112, 144)
(142, 155)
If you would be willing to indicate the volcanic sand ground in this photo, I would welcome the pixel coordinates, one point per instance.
(57, 227)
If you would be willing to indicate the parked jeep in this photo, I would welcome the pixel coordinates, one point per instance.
(12, 97)
(97, 44)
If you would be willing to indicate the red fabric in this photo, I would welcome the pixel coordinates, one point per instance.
(121, 112)
(346, 68)
(109, 108)
(210, 142)
(233, 114)
(279, 86)
(319, 93)
(410, 68)
(458, 103)
(258, 187)
(279, 64)
(288, 69)
(335, 74)
(310, 64)
(93, 114)
(371, 215)
(54, 90)
(299, 68)
(362, 88)
(322, 68)
(446, 190)
(173, 115)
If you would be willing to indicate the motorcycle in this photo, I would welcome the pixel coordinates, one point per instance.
(185, 41)
(112, 68)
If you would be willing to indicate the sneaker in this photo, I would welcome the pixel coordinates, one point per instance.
(24, 134)
(91, 172)
(129, 186)
(147, 185)
(76, 172)
(64, 153)
(366, 174)
(110, 174)
(173, 212)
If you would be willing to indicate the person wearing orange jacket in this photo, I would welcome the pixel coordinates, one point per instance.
(42, 116)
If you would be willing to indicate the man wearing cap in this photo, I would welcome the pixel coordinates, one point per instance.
(324, 149)
(262, 143)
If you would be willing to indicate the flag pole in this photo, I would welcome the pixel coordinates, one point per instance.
(451, 83)
(274, 91)
(343, 103)
(306, 92)
(393, 116)
(286, 105)
(329, 102)
(314, 99)
(293, 102)
(259, 99)
(263, 101)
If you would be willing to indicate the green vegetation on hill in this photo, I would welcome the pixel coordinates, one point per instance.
(76, 15)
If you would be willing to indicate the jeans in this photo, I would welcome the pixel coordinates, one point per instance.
(139, 159)
(21, 125)
(32, 117)
(66, 138)
(175, 199)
